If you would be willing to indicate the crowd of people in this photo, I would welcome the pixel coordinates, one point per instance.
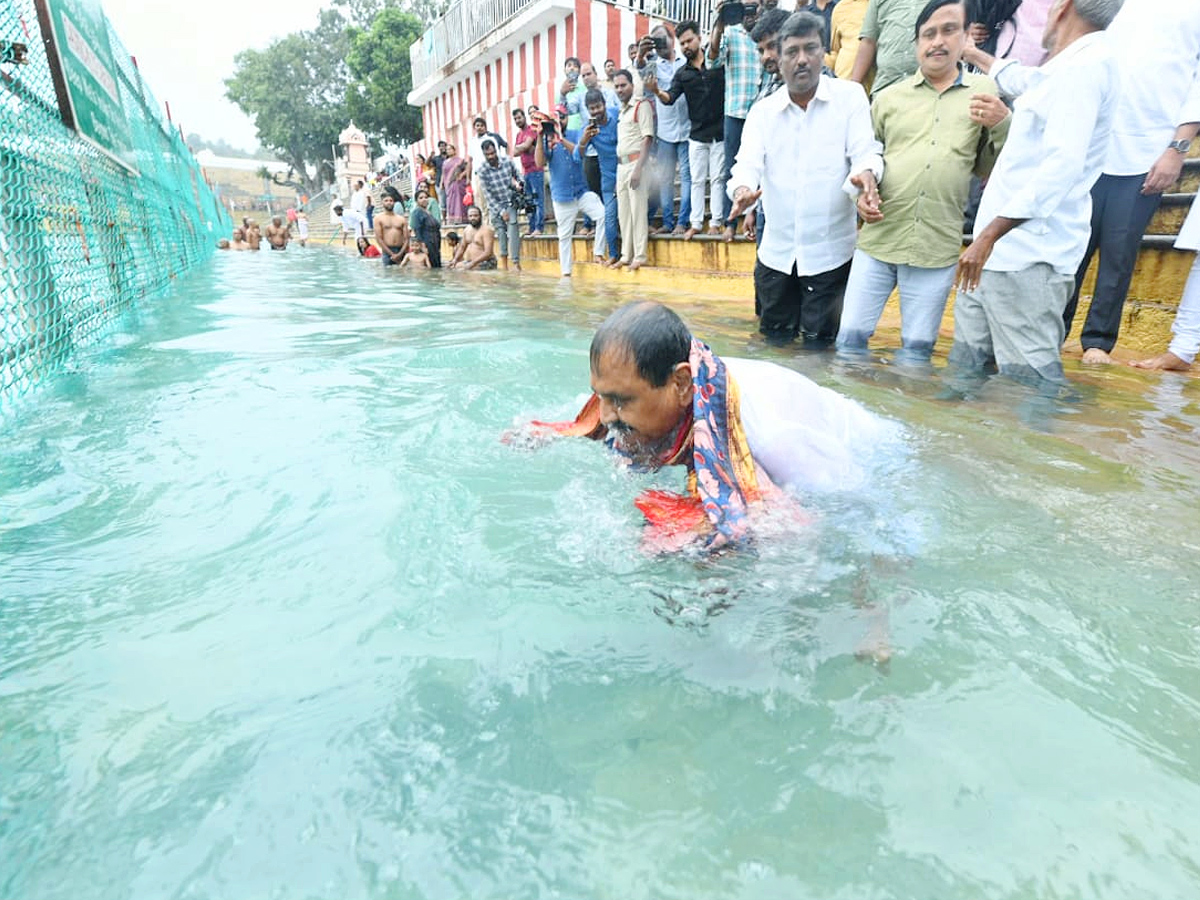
(853, 141)
(250, 235)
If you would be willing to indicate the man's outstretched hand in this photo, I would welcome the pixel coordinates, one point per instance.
(743, 199)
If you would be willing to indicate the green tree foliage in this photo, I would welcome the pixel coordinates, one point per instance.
(296, 92)
(302, 90)
(363, 12)
(379, 62)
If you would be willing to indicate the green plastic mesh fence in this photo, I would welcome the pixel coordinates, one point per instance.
(81, 239)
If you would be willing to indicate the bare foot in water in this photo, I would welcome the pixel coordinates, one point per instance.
(1094, 356)
(876, 645)
(1167, 362)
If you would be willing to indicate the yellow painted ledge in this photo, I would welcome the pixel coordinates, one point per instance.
(709, 267)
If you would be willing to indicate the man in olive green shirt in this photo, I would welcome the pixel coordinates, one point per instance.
(886, 43)
(937, 127)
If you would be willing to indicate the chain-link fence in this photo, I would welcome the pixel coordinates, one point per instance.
(80, 238)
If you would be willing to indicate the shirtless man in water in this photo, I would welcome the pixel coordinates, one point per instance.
(391, 230)
(477, 250)
(277, 234)
(253, 234)
(239, 240)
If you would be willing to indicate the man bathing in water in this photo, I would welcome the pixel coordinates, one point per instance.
(239, 240)
(478, 247)
(754, 437)
(277, 234)
(253, 234)
(391, 229)
(747, 430)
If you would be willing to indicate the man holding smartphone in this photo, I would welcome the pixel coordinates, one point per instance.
(657, 55)
(601, 134)
(704, 89)
(731, 47)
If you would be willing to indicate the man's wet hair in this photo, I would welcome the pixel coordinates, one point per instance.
(594, 96)
(391, 191)
(933, 6)
(771, 23)
(476, 208)
(655, 338)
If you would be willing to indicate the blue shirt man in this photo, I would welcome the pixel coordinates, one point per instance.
(558, 152)
(601, 133)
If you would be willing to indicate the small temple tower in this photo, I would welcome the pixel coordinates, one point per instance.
(353, 162)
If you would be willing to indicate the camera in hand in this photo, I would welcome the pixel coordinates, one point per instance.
(522, 202)
(660, 44)
(733, 13)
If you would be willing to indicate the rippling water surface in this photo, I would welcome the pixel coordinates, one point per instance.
(280, 616)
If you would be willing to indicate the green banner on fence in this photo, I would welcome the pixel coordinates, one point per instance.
(85, 75)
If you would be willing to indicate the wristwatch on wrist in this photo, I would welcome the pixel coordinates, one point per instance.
(1182, 146)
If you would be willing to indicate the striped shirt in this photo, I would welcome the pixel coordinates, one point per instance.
(739, 57)
(497, 183)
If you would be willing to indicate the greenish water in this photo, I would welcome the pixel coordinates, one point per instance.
(282, 617)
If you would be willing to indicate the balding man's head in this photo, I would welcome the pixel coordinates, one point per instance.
(640, 372)
(651, 334)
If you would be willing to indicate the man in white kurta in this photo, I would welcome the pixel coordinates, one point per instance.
(1033, 223)
(1156, 117)
(807, 151)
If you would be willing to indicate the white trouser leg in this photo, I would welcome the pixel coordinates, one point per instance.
(698, 154)
(564, 217)
(716, 172)
(1186, 342)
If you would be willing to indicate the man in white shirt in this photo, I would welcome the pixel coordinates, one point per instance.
(745, 429)
(1032, 228)
(356, 218)
(807, 151)
(1157, 46)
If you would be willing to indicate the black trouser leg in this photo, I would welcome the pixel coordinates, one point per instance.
(1120, 216)
(821, 298)
(777, 296)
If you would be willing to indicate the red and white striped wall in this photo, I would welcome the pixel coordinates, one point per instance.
(530, 74)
